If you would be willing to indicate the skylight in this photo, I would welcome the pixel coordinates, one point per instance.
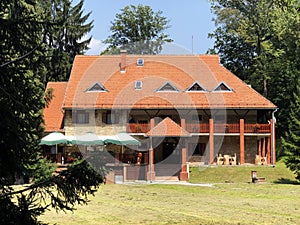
(196, 87)
(97, 87)
(138, 85)
(222, 87)
(168, 87)
(140, 62)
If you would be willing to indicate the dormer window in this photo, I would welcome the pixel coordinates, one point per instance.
(138, 85)
(222, 87)
(196, 87)
(97, 87)
(140, 62)
(168, 87)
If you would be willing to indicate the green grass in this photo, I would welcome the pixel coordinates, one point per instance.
(239, 202)
(241, 174)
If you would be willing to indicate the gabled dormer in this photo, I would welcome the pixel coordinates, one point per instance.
(222, 87)
(168, 87)
(196, 87)
(97, 87)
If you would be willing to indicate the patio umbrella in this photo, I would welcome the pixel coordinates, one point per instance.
(122, 139)
(54, 138)
(87, 139)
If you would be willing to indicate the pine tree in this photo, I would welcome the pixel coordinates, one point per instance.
(291, 143)
(63, 33)
(22, 72)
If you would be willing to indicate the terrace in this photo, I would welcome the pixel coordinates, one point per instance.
(204, 128)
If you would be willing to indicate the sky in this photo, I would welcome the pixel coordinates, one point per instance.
(190, 22)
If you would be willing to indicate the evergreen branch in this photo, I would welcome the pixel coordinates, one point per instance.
(19, 58)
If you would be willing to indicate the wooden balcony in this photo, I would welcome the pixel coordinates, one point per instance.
(204, 128)
(137, 127)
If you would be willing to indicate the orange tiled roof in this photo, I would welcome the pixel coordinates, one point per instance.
(53, 114)
(182, 71)
(167, 128)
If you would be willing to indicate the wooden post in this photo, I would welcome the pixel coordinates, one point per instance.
(184, 173)
(150, 170)
(273, 142)
(263, 151)
(242, 141)
(259, 147)
(211, 141)
(152, 123)
(269, 150)
(183, 124)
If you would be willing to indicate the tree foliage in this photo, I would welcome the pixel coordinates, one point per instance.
(139, 30)
(23, 70)
(64, 30)
(259, 41)
(291, 143)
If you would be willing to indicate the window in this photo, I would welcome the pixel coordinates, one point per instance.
(97, 87)
(222, 87)
(140, 62)
(199, 149)
(138, 85)
(110, 117)
(197, 117)
(195, 87)
(168, 87)
(80, 117)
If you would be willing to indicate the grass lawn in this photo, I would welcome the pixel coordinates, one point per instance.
(235, 202)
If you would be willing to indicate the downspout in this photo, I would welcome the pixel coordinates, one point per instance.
(273, 136)
(150, 159)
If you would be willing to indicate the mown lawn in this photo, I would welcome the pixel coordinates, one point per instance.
(236, 202)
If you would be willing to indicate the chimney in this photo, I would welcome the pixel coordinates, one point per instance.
(123, 61)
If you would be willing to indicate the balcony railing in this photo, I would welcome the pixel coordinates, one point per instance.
(204, 128)
(137, 127)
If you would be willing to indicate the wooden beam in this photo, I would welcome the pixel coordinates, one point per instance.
(211, 141)
(242, 141)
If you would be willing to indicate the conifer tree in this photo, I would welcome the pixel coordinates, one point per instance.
(291, 143)
(22, 72)
(63, 36)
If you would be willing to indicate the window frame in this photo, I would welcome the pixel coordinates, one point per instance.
(76, 117)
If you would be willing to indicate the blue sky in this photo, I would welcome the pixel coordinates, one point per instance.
(191, 18)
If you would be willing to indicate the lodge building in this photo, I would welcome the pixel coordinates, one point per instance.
(182, 108)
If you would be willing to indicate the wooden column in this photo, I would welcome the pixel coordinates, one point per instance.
(269, 155)
(211, 141)
(183, 123)
(259, 147)
(152, 123)
(263, 150)
(242, 141)
(184, 173)
(273, 142)
(150, 169)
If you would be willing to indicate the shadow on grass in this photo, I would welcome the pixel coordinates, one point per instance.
(286, 181)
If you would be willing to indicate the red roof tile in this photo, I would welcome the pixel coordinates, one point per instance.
(167, 128)
(53, 114)
(181, 71)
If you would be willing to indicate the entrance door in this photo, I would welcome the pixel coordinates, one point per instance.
(171, 163)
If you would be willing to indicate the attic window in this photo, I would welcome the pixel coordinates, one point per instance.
(140, 62)
(222, 87)
(138, 85)
(168, 87)
(97, 87)
(196, 87)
